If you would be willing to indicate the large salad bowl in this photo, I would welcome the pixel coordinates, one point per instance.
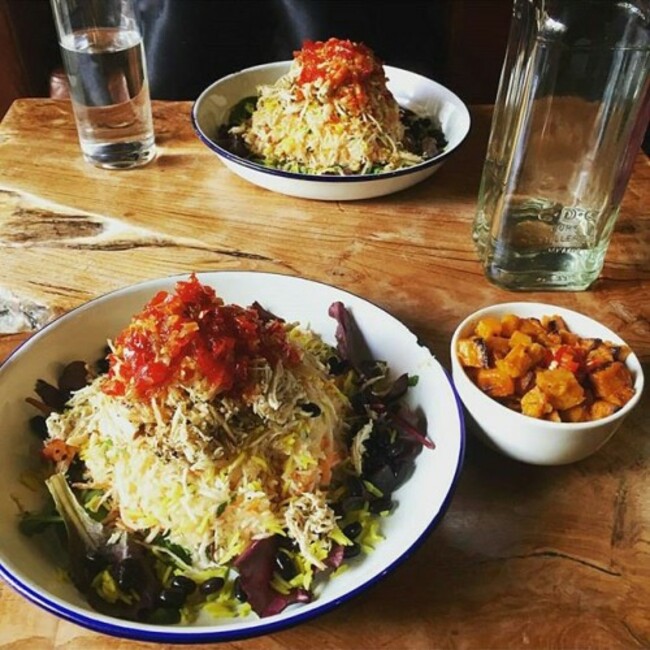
(33, 567)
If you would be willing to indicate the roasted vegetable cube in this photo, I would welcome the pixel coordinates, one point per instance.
(561, 387)
(495, 382)
(498, 346)
(509, 324)
(516, 363)
(598, 357)
(519, 338)
(580, 413)
(535, 403)
(473, 352)
(613, 383)
(539, 355)
(601, 409)
(531, 326)
(487, 327)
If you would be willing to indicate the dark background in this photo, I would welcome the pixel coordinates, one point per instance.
(190, 43)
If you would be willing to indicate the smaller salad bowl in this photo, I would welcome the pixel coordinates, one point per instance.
(532, 439)
(412, 91)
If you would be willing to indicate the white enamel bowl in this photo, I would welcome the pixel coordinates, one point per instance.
(413, 91)
(529, 439)
(30, 566)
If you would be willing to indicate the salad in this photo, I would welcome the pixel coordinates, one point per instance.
(332, 113)
(220, 459)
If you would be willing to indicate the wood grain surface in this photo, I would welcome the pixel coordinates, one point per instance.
(526, 557)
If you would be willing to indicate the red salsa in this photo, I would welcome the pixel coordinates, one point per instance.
(191, 334)
(345, 65)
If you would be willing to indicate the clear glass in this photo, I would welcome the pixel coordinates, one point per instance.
(103, 55)
(571, 111)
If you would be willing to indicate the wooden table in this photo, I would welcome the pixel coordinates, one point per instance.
(527, 557)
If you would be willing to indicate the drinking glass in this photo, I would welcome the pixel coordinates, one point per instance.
(103, 55)
(571, 111)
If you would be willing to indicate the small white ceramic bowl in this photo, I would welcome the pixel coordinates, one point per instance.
(412, 91)
(529, 439)
(31, 566)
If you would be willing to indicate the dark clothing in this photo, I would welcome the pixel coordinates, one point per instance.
(191, 43)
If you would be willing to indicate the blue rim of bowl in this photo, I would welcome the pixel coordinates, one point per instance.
(188, 635)
(322, 178)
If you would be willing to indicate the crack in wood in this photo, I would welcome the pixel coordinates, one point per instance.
(618, 527)
(562, 556)
(117, 245)
(33, 221)
(643, 643)
(33, 225)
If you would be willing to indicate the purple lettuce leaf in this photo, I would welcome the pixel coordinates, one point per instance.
(351, 345)
(256, 566)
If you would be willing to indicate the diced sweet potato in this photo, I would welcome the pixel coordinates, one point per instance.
(569, 338)
(531, 326)
(509, 324)
(601, 409)
(487, 327)
(549, 339)
(580, 413)
(473, 352)
(598, 357)
(561, 387)
(613, 383)
(519, 338)
(535, 403)
(516, 363)
(553, 416)
(540, 355)
(495, 382)
(498, 346)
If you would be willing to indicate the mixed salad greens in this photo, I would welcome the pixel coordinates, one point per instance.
(310, 442)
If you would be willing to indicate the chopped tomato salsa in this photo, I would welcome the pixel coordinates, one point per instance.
(345, 65)
(191, 333)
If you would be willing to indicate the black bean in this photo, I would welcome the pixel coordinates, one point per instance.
(311, 409)
(172, 597)
(287, 542)
(212, 586)
(239, 592)
(397, 449)
(286, 567)
(183, 582)
(351, 551)
(127, 573)
(352, 530)
(95, 562)
(337, 366)
(382, 504)
(355, 487)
